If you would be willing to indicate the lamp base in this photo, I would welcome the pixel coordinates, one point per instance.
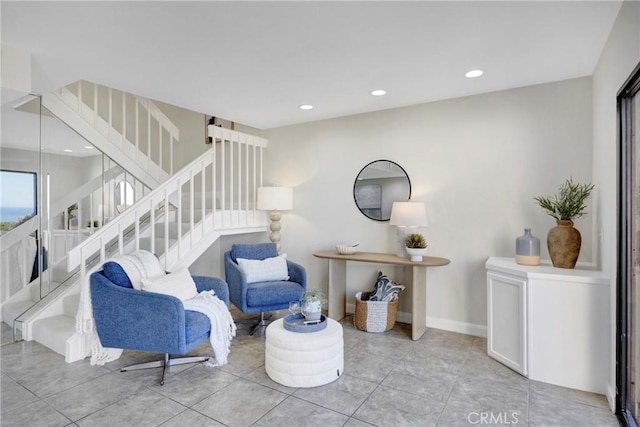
(401, 235)
(275, 228)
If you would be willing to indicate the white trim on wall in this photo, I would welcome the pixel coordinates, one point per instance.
(439, 323)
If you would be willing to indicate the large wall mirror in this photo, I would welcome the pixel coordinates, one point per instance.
(378, 185)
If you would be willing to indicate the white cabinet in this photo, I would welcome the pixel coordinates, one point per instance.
(549, 324)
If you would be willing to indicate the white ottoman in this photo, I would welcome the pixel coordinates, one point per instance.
(304, 359)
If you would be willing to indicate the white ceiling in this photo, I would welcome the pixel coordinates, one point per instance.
(256, 62)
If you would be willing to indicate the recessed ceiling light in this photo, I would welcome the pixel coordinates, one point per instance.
(306, 107)
(88, 147)
(68, 151)
(378, 92)
(474, 73)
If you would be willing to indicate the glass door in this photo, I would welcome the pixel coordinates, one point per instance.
(628, 288)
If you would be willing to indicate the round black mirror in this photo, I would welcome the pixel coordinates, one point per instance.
(377, 186)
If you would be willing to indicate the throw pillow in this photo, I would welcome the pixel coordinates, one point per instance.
(268, 269)
(116, 274)
(385, 289)
(135, 266)
(258, 251)
(179, 284)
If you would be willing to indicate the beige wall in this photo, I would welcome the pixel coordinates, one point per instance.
(192, 133)
(476, 162)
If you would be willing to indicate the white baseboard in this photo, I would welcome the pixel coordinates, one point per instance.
(456, 326)
(439, 323)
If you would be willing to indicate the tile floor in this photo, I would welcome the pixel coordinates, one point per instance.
(443, 379)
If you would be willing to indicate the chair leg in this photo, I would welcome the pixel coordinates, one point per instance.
(165, 364)
(262, 323)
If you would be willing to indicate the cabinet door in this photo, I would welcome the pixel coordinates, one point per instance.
(506, 317)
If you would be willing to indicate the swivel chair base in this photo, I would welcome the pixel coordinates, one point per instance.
(165, 364)
(262, 323)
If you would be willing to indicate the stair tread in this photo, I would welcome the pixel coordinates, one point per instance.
(11, 310)
(54, 332)
(31, 308)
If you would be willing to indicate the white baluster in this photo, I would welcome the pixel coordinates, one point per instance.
(124, 117)
(246, 180)
(152, 215)
(214, 165)
(171, 139)
(179, 191)
(203, 193)
(137, 230)
(160, 144)
(240, 173)
(223, 177)
(191, 205)
(166, 225)
(231, 176)
(137, 124)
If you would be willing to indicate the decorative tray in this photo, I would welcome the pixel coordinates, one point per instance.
(295, 323)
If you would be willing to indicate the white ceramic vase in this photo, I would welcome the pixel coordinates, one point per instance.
(416, 254)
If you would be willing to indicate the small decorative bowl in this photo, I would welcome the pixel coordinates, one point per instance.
(345, 249)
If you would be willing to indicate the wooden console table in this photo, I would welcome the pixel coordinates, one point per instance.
(337, 298)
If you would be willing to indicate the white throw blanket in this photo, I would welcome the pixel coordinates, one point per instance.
(223, 329)
(86, 327)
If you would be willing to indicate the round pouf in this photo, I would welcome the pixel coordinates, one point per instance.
(304, 359)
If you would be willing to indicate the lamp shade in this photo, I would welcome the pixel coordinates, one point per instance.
(275, 198)
(408, 214)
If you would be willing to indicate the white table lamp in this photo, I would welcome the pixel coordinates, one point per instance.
(407, 217)
(275, 199)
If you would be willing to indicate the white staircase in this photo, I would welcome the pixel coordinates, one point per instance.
(212, 196)
(139, 140)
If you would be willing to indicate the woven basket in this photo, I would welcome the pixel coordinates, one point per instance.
(374, 316)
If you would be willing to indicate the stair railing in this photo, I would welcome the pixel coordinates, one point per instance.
(212, 195)
(94, 203)
(17, 254)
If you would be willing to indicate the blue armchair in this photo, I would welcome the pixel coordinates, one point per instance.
(146, 321)
(261, 297)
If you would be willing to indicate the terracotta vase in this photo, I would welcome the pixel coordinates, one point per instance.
(563, 242)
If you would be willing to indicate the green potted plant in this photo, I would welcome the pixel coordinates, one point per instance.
(312, 301)
(416, 246)
(563, 240)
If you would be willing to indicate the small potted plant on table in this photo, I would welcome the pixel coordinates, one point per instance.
(312, 301)
(416, 246)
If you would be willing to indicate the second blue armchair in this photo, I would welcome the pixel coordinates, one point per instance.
(261, 297)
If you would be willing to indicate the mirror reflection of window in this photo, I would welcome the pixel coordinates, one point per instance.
(377, 186)
(18, 193)
(123, 196)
